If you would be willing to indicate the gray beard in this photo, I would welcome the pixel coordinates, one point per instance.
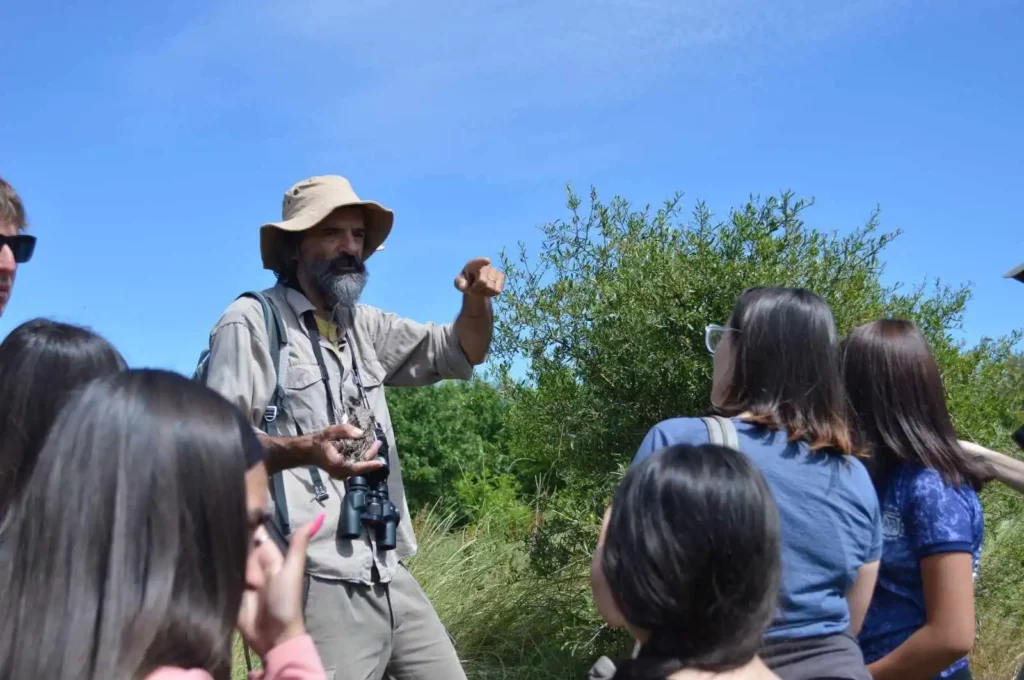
(341, 292)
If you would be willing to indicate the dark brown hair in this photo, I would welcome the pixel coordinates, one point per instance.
(41, 363)
(786, 373)
(898, 403)
(691, 555)
(11, 208)
(127, 549)
(289, 243)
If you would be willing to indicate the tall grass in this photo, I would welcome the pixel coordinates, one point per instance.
(507, 621)
(239, 671)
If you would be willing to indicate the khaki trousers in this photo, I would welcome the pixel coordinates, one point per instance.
(385, 630)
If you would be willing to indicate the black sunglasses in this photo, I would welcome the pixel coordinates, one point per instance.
(21, 245)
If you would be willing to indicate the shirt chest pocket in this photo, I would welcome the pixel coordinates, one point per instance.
(372, 374)
(307, 397)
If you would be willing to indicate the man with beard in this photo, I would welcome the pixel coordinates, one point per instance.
(15, 247)
(363, 608)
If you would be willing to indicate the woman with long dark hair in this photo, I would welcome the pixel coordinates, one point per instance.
(41, 363)
(688, 562)
(777, 387)
(921, 620)
(138, 546)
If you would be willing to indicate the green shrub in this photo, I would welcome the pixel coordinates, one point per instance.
(451, 438)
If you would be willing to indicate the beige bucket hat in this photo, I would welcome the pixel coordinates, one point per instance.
(308, 203)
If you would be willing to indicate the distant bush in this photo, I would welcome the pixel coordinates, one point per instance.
(454, 450)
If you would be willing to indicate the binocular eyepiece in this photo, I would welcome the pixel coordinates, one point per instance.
(367, 504)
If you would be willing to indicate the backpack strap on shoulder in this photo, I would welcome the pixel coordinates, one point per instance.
(722, 432)
(277, 341)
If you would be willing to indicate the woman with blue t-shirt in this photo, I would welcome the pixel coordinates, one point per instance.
(921, 620)
(777, 380)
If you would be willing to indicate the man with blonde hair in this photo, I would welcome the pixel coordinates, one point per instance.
(363, 608)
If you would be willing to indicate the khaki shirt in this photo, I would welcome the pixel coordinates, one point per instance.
(389, 350)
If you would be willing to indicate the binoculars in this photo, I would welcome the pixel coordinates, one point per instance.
(366, 502)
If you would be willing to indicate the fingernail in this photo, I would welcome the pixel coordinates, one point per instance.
(317, 523)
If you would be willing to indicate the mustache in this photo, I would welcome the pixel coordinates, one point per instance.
(346, 264)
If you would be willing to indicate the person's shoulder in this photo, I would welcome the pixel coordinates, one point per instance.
(369, 319)
(367, 312)
(364, 313)
(922, 481)
(682, 431)
(366, 319)
(859, 478)
(856, 470)
(845, 476)
(942, 511)
(244, 309)
(928, 485)
(672, 432)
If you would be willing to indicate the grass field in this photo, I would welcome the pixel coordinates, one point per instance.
(508, 625)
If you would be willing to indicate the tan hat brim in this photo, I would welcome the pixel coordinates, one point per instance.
(378, 221)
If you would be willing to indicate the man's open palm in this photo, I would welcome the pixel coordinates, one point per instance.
(325, 454)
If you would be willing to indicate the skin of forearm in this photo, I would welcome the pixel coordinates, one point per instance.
(1009, 471)
(283, 453)
(924, 655)
(1003, 468)
(475, 326)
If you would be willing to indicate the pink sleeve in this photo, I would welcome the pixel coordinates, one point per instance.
(169, 673)
(296, 659)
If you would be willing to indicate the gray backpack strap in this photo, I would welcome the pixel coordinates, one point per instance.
(715, 434)
(722, 432)
(277, 341)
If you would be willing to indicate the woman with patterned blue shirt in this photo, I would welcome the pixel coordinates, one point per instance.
(921, 620)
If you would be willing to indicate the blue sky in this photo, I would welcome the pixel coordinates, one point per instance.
(150, 140)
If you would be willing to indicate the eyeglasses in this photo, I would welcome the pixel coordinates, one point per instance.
(713, 335)
(21, 245)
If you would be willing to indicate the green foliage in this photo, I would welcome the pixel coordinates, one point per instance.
(453, 447)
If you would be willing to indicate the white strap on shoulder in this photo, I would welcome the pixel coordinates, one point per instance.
(722, 432)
